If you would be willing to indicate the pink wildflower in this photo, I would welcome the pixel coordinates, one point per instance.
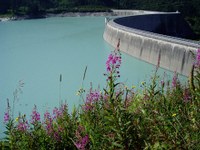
(175, 80)
(91, 98)
(186, 95)
(47, 115)
(48, 122)
(22, 124)
(56, 113)
(113, 62)
(56, 136)
(49, 128)
(79, 130)
(35, 117)
(82, 143)
(63, 108)
(6, 117)
(7, 113)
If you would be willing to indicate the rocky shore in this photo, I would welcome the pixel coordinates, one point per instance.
(68, 14)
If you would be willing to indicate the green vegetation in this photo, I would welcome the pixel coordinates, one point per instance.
(88, 8)
(37, 8)
(162, 115)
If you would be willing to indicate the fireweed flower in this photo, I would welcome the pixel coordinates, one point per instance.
(6, 117)
(81, 144)
(81, 141)
(79, 130)
(91, 98)
(56, 113)
(63, 108)
(175, 80)
(47, 115)
(186, 95)
(113, 63)
(162, 82)
(35, 117)
(7, 113)
(56, 136)
(48, 122)
(22, 124)
(59, 112)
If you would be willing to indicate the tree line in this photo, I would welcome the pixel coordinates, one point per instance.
(190, 9)
(186, 7)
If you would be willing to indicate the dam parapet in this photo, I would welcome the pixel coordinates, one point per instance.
(123, 12)
(175, 53)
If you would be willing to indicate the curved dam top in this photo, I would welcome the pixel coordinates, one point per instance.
(155, 36)
(171, 24)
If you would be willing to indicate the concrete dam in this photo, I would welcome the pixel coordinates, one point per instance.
(152, 36)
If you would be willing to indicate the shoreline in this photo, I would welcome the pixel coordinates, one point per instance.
(67, 14)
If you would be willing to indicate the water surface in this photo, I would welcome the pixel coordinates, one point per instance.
(38, 51)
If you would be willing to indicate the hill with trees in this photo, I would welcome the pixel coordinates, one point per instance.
(34, 8)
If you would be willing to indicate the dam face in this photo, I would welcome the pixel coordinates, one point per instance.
(139, 39)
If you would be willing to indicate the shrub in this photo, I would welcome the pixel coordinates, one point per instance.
(163, 115)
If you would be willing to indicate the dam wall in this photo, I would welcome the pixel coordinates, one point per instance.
(174, 53)
(119, 12)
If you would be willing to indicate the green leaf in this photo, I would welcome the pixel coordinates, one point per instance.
(128, 123)
(105, 91)
(119, 136)
(6, 132)
(116, 84)
(117, 145)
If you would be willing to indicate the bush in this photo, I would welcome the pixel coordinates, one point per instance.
(163, 115)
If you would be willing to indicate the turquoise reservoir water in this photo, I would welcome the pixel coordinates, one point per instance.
(38, 51)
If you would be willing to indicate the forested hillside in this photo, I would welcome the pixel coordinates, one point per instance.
(189, 8)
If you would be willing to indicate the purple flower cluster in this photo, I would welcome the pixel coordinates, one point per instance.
(91, 98)
(48, 122)
(7, 113)
(82, 143)
(59, 112)
(47, 116)
(56, 136)
(35, 117)
(6, 117)
(175, 80)
(22, 124)
(187, 95)
(56, 113)
(197, 62)
(113, 63)
(82, 140)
